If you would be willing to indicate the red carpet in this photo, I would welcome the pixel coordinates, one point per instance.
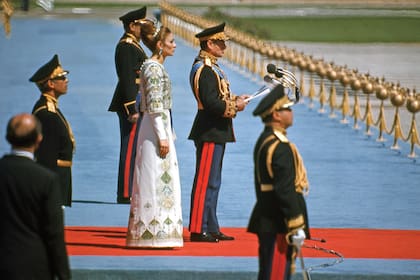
(351, 243)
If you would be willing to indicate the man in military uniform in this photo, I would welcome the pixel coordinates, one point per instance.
(279, 217)
(129, 56)
(57, 146)
(212, 128)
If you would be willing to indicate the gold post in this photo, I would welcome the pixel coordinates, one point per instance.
(367, 89)
(303, 65)
(345, 107)
(311, 92)
(356, 85)
(320, 69)
(414, 139)
(322, 94)
(397, 100)
(413, 105)
(332, 76)
(382, 94)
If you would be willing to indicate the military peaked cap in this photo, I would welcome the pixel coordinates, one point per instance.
(134, 16)
(213, 33)
(274, 100)
(52, 69)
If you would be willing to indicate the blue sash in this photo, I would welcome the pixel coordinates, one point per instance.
(197, 66)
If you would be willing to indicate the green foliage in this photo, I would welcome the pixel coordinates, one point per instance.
(325, 28)
(342, 29)
(239, 23)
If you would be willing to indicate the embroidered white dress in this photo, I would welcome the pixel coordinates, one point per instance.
(155, 213)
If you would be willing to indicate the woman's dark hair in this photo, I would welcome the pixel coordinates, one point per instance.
(150, 35)
(203, 45)
(126, 26)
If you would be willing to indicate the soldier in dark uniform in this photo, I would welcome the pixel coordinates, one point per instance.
(129, 56)
(212, 128)
(56, 149)
(279, 217)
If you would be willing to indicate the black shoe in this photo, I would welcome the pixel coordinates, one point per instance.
(202, 237)
(123, 200)
(221, 236)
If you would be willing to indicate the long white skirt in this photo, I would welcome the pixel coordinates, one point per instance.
(155, 213)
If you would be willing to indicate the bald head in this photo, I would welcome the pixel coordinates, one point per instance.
(24, 131)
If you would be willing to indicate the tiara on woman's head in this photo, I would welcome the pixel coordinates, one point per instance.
(157, 26)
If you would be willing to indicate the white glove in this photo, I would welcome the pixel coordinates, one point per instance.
(298, 238)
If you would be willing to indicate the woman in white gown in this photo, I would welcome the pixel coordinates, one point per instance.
(155, 214)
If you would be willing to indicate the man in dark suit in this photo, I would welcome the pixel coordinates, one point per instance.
(57, 146)
(31, 218)
(212, 129)
(279, 217)
(129, 56)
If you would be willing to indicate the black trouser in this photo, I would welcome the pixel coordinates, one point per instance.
(275, 257)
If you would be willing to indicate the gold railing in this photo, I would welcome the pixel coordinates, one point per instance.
(253, 54)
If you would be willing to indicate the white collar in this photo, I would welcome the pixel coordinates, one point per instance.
(23, 153)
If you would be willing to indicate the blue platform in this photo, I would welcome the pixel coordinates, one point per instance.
(355, 181)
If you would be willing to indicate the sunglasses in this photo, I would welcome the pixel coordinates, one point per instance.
(217, 41)
(59, 78)
(284, 109)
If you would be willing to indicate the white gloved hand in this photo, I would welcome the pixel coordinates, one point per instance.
(298, 238)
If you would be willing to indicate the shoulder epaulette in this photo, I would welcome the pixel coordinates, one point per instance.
(131, 41)
(281, 136)
(51, 107)
(207, 61)
(39, 109)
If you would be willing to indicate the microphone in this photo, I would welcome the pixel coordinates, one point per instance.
(270, 80)
(285, 75)
(272, 69)
(287, 83)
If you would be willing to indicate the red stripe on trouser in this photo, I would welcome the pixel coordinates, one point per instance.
(201, 187)
(127, 164)
(278, 267)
